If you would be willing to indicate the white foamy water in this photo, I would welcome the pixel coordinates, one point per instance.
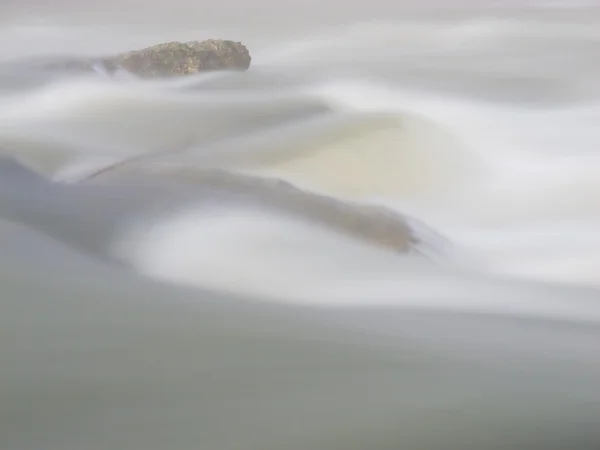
(145, 307)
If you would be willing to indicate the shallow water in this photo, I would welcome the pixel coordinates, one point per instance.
(383, 235)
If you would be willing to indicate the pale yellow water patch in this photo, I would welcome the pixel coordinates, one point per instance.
(400, 158)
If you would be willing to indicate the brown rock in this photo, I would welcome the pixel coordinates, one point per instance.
(168, 59)
(176, 58)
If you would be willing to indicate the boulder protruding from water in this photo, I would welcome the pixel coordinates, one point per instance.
(174, 59)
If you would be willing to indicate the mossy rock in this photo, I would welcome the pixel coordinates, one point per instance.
(177, 58)
(170, 59)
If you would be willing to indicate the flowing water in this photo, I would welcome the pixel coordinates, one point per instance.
(384, 235)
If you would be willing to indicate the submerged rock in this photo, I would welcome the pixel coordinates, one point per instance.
(172, 59)
(375, 225)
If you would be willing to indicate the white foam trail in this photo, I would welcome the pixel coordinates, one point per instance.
(277, 259)
(253, 252)
(103, 118)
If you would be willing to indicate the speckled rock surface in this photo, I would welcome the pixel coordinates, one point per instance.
(168, 59)
(177, 58)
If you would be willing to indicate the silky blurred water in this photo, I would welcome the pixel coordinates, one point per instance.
(233, 288)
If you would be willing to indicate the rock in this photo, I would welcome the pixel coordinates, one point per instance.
(375, 225)
(176, 58)
(173, 59)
